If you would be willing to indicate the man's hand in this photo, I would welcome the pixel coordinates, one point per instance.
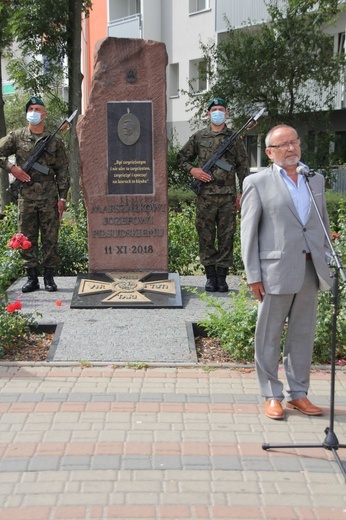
(20, 174)
(200, 175)
(258, 290)
(237, 202)
(61, 208)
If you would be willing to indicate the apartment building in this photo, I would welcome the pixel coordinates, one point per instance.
(182, 25)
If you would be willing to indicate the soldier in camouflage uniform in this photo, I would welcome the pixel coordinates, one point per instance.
(216, 202)
(42, 195)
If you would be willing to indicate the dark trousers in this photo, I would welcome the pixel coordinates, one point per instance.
(216, 225)
(39, 218)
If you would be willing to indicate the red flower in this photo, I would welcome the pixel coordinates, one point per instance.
(16, 244)
(19, 241)
(15, 306)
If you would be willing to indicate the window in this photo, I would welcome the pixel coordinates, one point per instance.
(119, 9)
(134, 7)
(198, 75)
(339, 155)
(173, 86)
(317, 147)
(251, 148)
(341, 43)
(195, 6)
(255, 150)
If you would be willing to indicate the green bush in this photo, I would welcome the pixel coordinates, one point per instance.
(177, 178)
(73, 242)
(238, 266)
(14, 328)
(14, 325)
(178, 197)
(335, 201)
(10, 260)
(233, 322)
(183, 241)
(323, 339)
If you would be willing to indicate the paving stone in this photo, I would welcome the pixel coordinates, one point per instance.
(161, 443)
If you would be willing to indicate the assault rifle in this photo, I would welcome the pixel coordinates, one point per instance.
(32, 163)
(214, 160)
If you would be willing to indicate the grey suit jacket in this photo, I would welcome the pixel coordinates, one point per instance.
(273, 238)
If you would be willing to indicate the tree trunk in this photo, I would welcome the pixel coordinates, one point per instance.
(75, 92)
(5, 198)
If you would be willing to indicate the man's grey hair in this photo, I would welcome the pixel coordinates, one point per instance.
(270, 133)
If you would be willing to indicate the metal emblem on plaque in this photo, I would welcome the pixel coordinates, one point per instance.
(126, 288)
(129, 129)
(131, 75)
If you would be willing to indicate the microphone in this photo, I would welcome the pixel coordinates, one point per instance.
(304, 170)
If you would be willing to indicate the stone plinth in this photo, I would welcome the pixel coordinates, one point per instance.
(123, 149)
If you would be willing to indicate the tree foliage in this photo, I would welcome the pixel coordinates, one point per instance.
(42, 33)
(326, 8)
(286, 65)
(47, 37)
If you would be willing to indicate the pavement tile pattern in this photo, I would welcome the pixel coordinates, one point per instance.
(162, 443)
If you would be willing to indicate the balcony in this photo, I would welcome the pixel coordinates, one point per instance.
(129, 27)
(238, 13)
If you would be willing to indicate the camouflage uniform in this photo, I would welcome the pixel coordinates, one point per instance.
(215, 207)
(37, 202)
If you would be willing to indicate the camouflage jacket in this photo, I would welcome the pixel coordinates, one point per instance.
(201, 146)
(21, 144)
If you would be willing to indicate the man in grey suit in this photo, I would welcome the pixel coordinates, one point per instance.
(285, 254)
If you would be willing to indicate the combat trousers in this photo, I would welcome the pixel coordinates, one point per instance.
(39, 218)
(300, 309)
(216, 225)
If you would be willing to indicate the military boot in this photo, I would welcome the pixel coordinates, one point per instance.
(222, 285)
(48, 279)
(210, 272)
(32, 282)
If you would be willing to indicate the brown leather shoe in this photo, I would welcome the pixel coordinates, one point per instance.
(305, 406)
(273, 409)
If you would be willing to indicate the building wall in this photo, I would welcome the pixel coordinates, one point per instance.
(94, 28)
(183, 45)
(151, 18)
(169, 21)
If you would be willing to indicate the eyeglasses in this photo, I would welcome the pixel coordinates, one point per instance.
(286, 145)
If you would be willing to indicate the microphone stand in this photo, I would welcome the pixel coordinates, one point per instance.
(331, 441)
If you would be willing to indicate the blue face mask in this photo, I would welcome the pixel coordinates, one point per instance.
(34, 118)
(217, 117)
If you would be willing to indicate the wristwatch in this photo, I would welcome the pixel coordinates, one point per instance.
(63, 200)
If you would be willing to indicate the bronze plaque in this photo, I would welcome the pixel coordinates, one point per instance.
(127, 290)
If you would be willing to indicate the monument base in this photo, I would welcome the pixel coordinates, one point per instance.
(126, 290)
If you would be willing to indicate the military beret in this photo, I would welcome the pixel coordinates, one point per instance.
(33, 101)
(217, 102)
